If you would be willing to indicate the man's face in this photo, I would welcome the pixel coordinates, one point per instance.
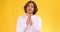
(30, 8)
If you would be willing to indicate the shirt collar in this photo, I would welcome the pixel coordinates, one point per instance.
(31, 16)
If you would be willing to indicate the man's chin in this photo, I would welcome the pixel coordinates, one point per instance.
(29, 12)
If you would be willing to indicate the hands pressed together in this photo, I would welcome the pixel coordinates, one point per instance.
(29, 21)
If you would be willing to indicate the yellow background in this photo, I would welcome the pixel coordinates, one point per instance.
(48, 10)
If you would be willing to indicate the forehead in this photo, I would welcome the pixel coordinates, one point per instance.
(30, 4)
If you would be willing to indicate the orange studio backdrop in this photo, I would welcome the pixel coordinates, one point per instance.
(10, 10)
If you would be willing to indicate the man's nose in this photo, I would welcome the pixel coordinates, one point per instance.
(30, 7)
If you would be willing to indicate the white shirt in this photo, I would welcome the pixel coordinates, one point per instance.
(22, 27)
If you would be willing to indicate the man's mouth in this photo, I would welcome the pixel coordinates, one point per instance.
(29, 9)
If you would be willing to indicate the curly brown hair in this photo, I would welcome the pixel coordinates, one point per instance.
(35, 7)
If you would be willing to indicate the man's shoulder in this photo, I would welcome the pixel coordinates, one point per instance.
(20, 17)
(35, 16)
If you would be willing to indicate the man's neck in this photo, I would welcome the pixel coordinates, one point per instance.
(29, 14)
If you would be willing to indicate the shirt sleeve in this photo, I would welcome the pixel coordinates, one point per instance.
(19, 26)
(39, 24)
